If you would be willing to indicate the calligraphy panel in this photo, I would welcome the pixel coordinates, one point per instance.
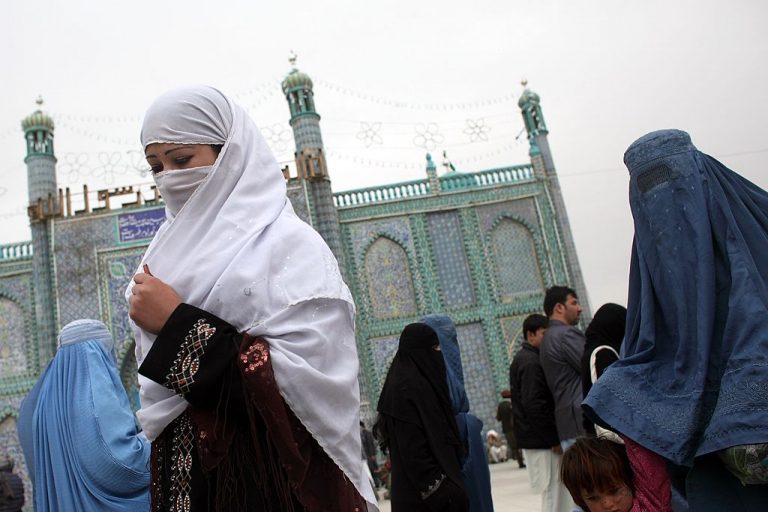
(139, 226)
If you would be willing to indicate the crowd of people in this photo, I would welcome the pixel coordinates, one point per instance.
(250, 398)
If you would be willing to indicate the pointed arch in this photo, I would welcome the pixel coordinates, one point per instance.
(515, 260)
(13, 338)
(388, 275)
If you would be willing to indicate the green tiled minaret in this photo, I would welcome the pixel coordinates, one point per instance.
(544, 169)
(43, 208)
(310, 158)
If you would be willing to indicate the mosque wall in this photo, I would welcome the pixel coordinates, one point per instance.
(482, 255)
(18, 358)
(300, 200)
(9, 445)
(18, 348)
(94, 258)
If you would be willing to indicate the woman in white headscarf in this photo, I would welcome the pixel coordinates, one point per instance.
(244, 328)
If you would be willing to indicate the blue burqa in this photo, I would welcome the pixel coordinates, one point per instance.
(693, 378)
(78, 433)
(474, 470)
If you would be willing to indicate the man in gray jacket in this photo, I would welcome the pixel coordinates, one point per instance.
(560, 357)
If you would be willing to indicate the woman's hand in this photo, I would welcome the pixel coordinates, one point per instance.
(152, 302)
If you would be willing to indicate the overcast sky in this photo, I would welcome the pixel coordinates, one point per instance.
(395, 79)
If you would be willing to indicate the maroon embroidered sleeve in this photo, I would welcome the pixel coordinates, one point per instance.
(316, 480)
(652, 487)
(193, 355)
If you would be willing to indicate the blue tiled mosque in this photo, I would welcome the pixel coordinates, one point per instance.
(479, 246)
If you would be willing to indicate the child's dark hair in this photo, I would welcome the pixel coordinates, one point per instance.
(595, 464)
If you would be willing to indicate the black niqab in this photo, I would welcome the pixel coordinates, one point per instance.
(606, 328)
(416, 388)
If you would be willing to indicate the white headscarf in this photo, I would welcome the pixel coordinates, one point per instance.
(237, 250)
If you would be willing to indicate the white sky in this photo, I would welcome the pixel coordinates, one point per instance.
(606, 71)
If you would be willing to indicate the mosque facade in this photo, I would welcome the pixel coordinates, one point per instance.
(480, 247)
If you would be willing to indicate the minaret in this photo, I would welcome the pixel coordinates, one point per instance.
(434, 181)
(310, 158)
(544, 169)
(43, 207)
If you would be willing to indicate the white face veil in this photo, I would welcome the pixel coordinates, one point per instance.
(237, 250)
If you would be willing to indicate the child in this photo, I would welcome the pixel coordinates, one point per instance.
(602, 477)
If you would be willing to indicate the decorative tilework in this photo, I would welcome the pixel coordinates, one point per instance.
(512, 330)
(514, 259)
(9, 445)
(298, 198)
(115, 270)
(428, 288)
(524, 209)
(45, 301)
(362, 232)
(390, 286)
(18, 350)
(383, 350)
(18, 286)
(306, 132)
(478, 373)
(451, 259)
(76, 244)
(13, 356)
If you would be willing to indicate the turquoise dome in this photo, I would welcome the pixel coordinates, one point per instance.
(296, 80)
(37, 120)
(528, 96)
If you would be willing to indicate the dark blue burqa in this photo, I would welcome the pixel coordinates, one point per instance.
(474, 469)
(693, 378)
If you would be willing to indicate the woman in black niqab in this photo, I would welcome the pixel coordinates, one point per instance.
(416, 425)
(604, 335)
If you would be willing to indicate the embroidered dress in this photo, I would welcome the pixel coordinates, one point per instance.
(238, 446)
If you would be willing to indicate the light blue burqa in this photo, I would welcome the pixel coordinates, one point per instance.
(474, 470)
(78, 433)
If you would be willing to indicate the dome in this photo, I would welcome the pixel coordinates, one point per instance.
(37, 120)
(296, 80)
(528, 96)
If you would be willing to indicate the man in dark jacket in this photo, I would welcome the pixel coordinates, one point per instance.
(534, 419)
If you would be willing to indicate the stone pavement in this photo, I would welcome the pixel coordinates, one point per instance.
(510, 489)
